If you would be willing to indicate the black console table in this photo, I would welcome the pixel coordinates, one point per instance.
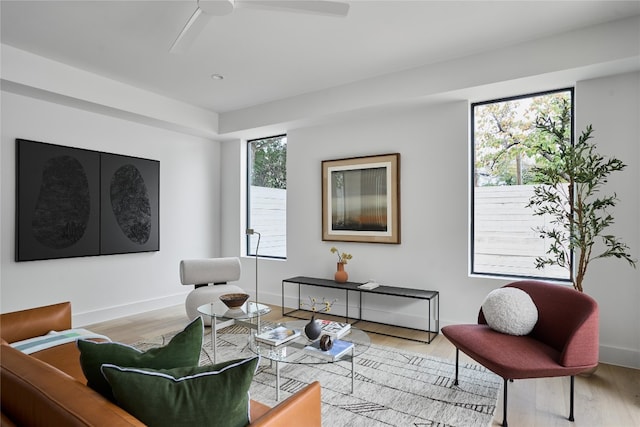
(433, 298)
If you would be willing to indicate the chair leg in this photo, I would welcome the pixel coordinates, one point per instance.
(455, 382)
(504, 405)
(571, 399)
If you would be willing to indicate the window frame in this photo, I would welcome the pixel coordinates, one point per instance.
(250, 249)
(472, 191)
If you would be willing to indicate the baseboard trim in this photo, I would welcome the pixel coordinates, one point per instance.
(620, 356)
(110, 313)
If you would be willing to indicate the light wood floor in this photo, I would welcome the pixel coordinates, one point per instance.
(610, 397)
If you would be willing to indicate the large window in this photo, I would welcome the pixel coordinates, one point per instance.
(267, 196)
(506, 146)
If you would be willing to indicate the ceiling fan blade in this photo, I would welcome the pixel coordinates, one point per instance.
(318, 7)
(208, 8)
(190, 32)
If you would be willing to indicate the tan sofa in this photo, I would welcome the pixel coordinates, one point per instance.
(48, 387)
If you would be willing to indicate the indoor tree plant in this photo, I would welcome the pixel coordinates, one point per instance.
(568, 191)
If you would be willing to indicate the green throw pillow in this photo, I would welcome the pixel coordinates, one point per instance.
(182, 351)
(213, 395)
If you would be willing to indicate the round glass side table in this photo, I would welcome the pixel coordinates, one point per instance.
(247, 315)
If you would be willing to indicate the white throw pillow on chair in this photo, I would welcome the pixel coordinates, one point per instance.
(510, 311)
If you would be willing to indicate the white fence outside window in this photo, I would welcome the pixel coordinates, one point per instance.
(505, 241)
(269, 218)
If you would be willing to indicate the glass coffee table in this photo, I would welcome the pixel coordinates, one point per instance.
(245, 316)
(293, 351)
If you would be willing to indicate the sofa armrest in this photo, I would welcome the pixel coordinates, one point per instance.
(302, 408)
(34, 393)
(35, 322)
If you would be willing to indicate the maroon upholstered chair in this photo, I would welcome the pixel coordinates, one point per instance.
(564, 341)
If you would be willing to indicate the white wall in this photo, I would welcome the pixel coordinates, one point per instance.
(433, 142)
(105, 287)
(612, 106)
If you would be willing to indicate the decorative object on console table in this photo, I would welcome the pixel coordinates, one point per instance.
(369, 285)
(341, 275)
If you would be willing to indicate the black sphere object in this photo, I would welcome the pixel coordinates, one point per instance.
(312, 330)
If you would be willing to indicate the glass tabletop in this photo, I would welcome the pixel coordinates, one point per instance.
(293, 351)
(248, 310)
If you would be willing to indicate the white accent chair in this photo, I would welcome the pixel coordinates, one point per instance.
(210, 277)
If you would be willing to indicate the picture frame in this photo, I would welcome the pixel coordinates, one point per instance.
(73, 202)
(57, 202)
(129, 204)
(361, 199)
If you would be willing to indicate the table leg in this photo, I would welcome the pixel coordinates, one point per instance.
(437, 300)
(346, 309)
(277, 381)
(429, 323)
(214, 336)
(353, 372)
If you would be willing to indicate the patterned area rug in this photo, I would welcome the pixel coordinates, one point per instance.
(392, 387)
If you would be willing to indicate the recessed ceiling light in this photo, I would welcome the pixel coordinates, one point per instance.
(217, 76)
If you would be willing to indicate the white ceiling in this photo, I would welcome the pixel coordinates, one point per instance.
(270, 55)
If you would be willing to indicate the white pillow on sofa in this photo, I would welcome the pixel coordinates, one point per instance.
(510, 311)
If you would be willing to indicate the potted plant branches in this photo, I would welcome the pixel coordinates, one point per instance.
(569, 192)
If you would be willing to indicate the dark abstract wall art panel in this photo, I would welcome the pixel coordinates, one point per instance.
(129, 204)
(58, 201)
(72, 202)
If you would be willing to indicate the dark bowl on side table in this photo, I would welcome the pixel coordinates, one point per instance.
(234, 301)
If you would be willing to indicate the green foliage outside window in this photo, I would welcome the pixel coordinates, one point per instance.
(507, 141)
(269, 162)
